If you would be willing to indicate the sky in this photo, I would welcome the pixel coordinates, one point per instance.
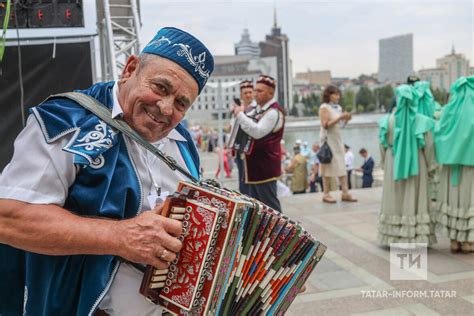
(340, 36)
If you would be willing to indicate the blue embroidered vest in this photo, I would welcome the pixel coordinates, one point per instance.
(75, 285)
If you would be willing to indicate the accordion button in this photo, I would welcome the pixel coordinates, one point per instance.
(157, 285)
(177, 216)
(178, 210)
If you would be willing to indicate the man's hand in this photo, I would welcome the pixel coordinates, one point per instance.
(150, 238)
(238, 109)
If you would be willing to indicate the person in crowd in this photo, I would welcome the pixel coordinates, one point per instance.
(454, 140)
(367, 169)
(305, 151)
(349, 162)
(299, 170)
(263, 165)
(82, 199)
(247, 99)
(223, 154)
(331, 115)
(407, 157)
(314, 163)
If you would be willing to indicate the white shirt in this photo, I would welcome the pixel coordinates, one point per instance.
(271, 121)
(41, 173)
(349, 160)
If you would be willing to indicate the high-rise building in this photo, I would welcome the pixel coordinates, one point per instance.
(395, 58)
(276, 45)
(448, 69)
(246, 47)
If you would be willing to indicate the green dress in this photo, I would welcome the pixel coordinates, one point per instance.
(454, 138)
(408, 157)
(406, 214)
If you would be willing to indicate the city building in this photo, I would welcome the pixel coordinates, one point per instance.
(322, 78)
(276, 45)
(448, 69)
(228, 70)
(246, 47)
(395, 58)
(303, 88)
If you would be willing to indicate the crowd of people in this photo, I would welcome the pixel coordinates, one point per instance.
(427, 159)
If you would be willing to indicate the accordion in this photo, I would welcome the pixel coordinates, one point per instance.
(239, 256)
(239, 140)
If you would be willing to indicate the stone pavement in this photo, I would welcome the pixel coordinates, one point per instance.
(354, 264)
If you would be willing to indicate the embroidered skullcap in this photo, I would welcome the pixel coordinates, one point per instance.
(266, 80)
(246, 84)
(185, 50)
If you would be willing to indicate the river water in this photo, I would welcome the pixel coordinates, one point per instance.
(361, 132)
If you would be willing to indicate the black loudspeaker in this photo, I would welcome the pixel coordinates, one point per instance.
(44, 13)
(70, 14)
(43, 75)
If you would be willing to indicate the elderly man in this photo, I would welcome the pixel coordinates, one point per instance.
(76, 193)
(263, 165)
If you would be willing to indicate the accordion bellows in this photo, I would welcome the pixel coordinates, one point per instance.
(239, 256)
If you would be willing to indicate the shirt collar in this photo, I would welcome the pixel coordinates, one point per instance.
(116, 108)
(267, 105)
(117, 111)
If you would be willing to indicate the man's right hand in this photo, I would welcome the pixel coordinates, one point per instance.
(149, 238)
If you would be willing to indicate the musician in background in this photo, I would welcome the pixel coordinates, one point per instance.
(263, 165)
(247, 101)
(76, 193)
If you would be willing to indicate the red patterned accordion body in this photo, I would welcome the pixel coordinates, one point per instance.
(238, 256)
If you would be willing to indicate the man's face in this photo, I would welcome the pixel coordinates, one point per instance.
(247, 95)
(315, 148)
(364, 155)
(263, 93)
(155, 95)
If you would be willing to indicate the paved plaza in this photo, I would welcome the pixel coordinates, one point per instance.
(354, 264)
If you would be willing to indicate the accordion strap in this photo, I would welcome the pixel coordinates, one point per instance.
(105, 114)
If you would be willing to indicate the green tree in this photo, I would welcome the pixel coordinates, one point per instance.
(384, 96)
(347, 100)
(296, 98)
(311, 103)
(365, 97)
(294, 111)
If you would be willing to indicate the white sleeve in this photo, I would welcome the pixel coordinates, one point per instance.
(39, 173)
(261, 128)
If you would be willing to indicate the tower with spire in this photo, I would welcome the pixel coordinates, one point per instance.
(276, 44)
(245, 47)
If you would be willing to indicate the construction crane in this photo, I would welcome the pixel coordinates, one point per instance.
(119, 26)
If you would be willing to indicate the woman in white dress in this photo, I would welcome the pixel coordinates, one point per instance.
(331, 115)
